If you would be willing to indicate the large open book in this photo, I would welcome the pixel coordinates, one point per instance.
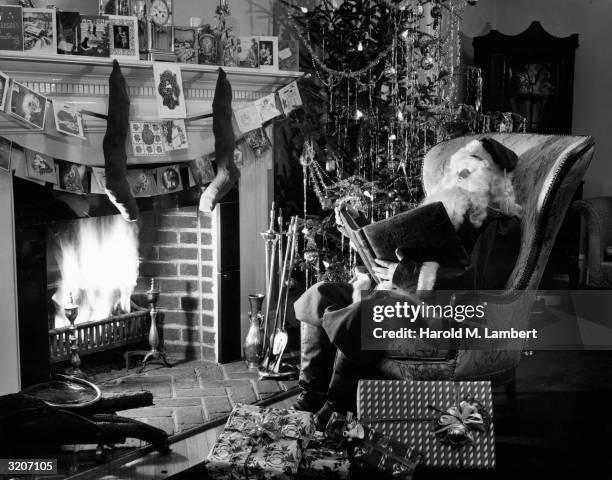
(423, 234)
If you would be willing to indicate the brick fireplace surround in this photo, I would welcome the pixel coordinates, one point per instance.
(171, 251)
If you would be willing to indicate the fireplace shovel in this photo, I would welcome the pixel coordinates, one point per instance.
(280, 341)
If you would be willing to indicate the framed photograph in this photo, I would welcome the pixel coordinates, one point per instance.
(4, 89)
(40, 167)
(123, 37)
(11, 28)
(27, 105)
(186, 44)
(68, 119)
(68, 32)
(94, 41)
(174, 135)
(39, 31)
(268, 53)
(248, 52)
(5, 154)
(146, 139)
(207, 46)
(169, 179)
(169, 90)
(142, 182)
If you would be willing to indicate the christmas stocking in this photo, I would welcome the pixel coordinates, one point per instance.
(115, 158)
(227, 172)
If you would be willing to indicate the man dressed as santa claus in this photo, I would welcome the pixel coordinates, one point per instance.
(476, 191)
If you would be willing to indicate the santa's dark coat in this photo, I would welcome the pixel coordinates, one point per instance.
(493, 249)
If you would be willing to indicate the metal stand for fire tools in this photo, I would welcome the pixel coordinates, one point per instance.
(152, 355)
(272, 367)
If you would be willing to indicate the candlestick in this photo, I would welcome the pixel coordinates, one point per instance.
(71, 311)
(153, 353)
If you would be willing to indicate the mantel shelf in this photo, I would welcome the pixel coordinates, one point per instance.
(57, 68)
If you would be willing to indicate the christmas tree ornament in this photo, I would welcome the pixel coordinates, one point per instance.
(436, 12)
(427, 63)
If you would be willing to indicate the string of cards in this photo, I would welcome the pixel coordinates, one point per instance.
(82, 179)
(148, 138)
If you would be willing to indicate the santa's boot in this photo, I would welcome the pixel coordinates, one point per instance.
(317, 362)
(342, 391)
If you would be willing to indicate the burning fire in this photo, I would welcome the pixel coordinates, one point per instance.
(98, 262)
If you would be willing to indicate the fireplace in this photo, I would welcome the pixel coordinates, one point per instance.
(105, 265)
(206, 265)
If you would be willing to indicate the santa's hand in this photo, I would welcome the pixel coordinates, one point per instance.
(427, 276)
(385, 270)
(361, 281)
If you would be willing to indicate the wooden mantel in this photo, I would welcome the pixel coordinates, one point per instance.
(83, 81)
(60, 68)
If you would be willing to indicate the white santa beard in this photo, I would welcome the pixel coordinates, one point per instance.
(460, 203)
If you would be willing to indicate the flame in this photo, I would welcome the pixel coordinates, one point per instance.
(98, 262)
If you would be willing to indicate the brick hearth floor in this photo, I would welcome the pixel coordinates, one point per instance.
(189, 393)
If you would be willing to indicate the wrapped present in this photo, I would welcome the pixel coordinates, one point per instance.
(262, 443)
(449, 422)
(325, 458)
(369, 449)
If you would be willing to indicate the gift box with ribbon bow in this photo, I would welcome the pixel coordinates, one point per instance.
(262, 443)
(370, 450)
(325, 458)
(449, 422)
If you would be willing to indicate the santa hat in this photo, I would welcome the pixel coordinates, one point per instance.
(503, 157)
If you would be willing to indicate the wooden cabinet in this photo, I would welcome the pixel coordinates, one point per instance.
(531, 74)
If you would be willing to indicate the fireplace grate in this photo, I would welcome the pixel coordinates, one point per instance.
(101, 335)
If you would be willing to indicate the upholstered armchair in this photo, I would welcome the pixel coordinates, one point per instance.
(549, 171)
(596, 242)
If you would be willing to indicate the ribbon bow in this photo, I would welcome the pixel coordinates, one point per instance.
(261, 431)
(457, 424)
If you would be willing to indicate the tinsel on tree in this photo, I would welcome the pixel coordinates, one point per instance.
(381, 92)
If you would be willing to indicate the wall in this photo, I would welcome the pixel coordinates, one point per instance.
(9, 355)
(248, 17)
(590, 19)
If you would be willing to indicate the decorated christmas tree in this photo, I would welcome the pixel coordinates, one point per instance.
(380, 93)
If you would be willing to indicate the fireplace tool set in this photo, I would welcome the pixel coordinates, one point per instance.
(267, 338)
